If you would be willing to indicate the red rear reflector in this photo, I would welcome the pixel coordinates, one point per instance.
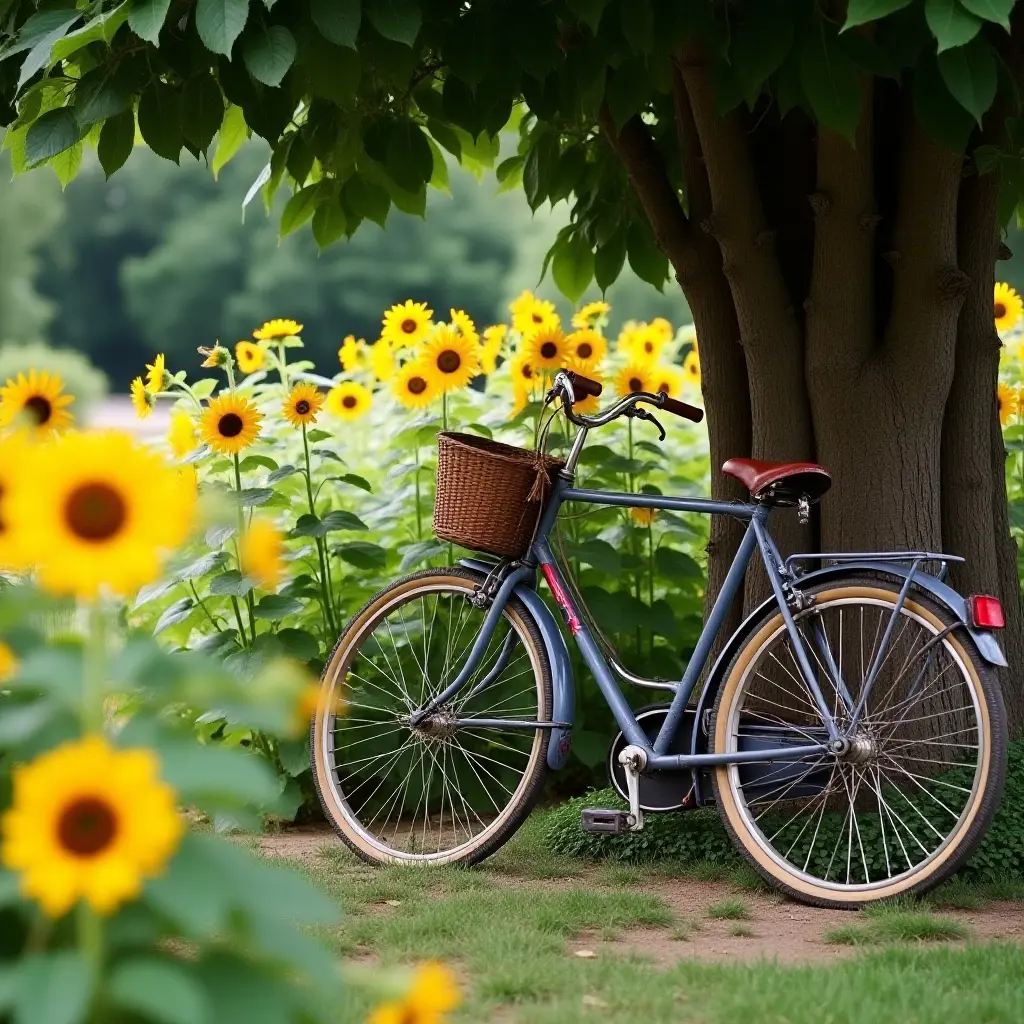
(986, 612)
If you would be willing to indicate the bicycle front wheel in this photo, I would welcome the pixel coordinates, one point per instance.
(449, 790)
(907, 801)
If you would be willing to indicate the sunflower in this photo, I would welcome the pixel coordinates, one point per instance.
(96, 511)
(585, 316)
(667, 379)
(433, 994)
(546, 349)
(463, 323)
(643, 516)
(349, 400)
(214, 357)
(302, 404)
(382, 360)
(691, 368)
(494, 338)
(230, 423)
(306, 705)
(588, 404)
(1007, 402)
(661, 328)
(250, 357)
(155, 373)
(646, 344)
(141, 399)
(532, 314)
(407, 323)
(273, 330)
(37, 402)
(1008, 307)
(14, 449)
(414, 386)
(633, 377)
(452, 360)
(181, 435)
(350, 355)
(89, 822)
(8, 662)
(524, 381)
(587, 347)
(261, 553)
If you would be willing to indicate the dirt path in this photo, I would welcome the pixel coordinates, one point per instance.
(776, 927)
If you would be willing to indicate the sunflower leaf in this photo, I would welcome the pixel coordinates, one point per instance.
(274, 607)
(318, 435)
(173, 614)
(54, 988)
(282, 472)
(231, 584)
(327, 453)
(249, 497)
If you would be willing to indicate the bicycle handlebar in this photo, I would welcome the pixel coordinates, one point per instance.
(584, 385)
(574, 385)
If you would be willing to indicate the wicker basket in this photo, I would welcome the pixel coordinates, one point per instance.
(489, 494)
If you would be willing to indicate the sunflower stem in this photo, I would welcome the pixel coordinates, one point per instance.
(282, 367)
(202, 604)
(94, 669)
(325, 587)
(249, 600)
(238, 618)
(89, 926)
(419, 510)
(444, 410)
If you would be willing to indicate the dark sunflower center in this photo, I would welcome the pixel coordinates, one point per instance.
(230, 425)
(648, 347)
(95, 512)
(585, 350)
(349, 401)
(416, 385)
(527, 372)
(3, 525)
(409, 326)
(1000, 310)
(537, 318)
(636, 384)
(302, 407)
(86, 827)
(40, 409)
(549, 350)
(449, 361)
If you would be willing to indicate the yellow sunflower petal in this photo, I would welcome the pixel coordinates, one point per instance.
(275, 329)
(303, 404)
(230, 423)
(407, 323)
(349, 401)
(250, 358)
(1008, 307)
(414, 386)
(36, 402)
(453, 360)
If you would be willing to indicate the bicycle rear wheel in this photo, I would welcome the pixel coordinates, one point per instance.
(907, 803)
(447, 791)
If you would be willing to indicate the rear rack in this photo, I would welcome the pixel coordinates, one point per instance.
(915, 558)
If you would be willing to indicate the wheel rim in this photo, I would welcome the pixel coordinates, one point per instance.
(895, 805)
(438, 792)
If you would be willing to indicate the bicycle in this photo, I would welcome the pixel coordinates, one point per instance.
(851, 732)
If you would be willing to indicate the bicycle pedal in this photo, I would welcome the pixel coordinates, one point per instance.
(596, 819)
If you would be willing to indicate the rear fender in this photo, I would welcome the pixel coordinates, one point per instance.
(562, 684)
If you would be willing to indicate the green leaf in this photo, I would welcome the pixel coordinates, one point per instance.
(676, 565)
(398, 20)
(202, 110)
(337, 20)
(628, 90)
(281, 474)
(231, 584)
(147, 18)
(316, 434)
(970, 75)
(200, 567)
(299, 208)
(250, 497)
(257, 461)
(211, 771)
(573, 267)
(646, 259)
(233, 133)
(366, 199)
(539, 169)
(510, 173)
(301, 645)
(101, 28)
(269, 54)
(950, 23)
(601, 555)
(53, 988)
(98, 97)
(161, 990)
(608, 261)
(116, 141)
(274, 607)
(991, 10)
(329, 223)
(859, 12)
(830, 83)
(637, 20)
(173, 614)
(355, 480)
(220, 22)
(50, 134)
(761, 42)
(38, 35)
(439, 174)
(160, 119)
(65, 165)
(339, 519)
(409, 160)
(363, 555)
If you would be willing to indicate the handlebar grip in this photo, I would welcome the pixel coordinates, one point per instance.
(584, 385)
(688, 412)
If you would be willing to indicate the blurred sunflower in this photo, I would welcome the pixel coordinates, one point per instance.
(463, 323)
(450, 359)
(1007, 307)
(142, 400)
(14, 449)
(382, 359)
(349, 400)
(647, 343)
(36, 402)
(661, 328)
(230, 423)
(643, 516)
(414, 386)
(181, 435)
(89, 822)
(494, 338)
(216, 356)
(691, 368)
(433, 994)
(546, 349)
(261, 553)
(532, 314)
(155, 373)
(667, 379)
(633, 377)
(407, 323)
(95, 511)
(272, 330)
(350, 355)
(1007, 402)
(8, 662)
(589, 404)
(585, 316)
(250, 358)
(588, 347)
(303, 403)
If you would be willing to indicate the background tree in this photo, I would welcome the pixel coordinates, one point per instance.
(826, 181)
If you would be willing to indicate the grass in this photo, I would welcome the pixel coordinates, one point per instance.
(510, 928)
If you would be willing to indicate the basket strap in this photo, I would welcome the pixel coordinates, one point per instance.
(541, 481)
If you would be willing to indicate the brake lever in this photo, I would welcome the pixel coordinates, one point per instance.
(643, 414)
